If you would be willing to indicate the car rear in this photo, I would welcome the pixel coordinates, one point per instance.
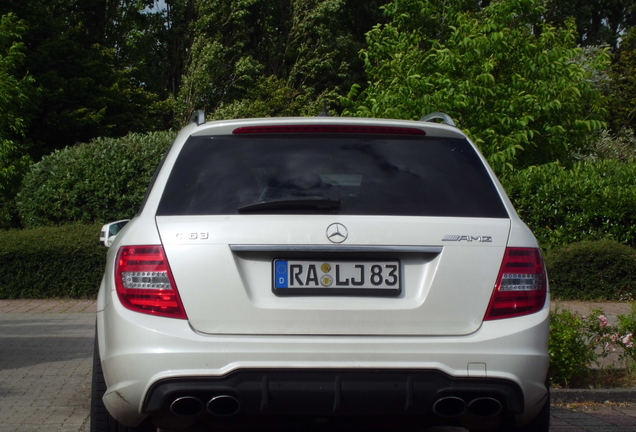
(324, 271)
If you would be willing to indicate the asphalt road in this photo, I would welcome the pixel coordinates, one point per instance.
(45, 372)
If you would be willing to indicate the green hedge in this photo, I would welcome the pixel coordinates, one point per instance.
(592, 201)
(592, 270)
(65, 261)
(101, 181)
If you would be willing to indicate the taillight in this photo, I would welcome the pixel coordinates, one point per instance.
(144, 282)
(521, 285)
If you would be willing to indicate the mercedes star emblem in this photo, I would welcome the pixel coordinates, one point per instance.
(337, 233)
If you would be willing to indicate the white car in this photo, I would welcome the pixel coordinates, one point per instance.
(335, 273)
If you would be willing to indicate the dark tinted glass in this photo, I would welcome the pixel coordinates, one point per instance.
(368, 175)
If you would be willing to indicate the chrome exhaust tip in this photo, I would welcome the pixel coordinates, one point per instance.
(223, 406)
(449, 407)
(485, 407)
(186, 406)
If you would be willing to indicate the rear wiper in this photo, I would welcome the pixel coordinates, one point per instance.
(299, 203)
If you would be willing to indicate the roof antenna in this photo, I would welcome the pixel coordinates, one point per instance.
(325, 110)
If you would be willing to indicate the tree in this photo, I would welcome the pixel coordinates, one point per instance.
(16, 92)
(507, 77)
(151, 39)
(624, 84)
(296, 52)
(598, 22)
(78, 53)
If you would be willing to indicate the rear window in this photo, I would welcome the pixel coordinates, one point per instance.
(330, 174)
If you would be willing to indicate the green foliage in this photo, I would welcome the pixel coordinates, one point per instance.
(610, 338)
(626, 329)
(507, 77)
(101, 181)
(151, 40)
(264, 58)
(620, 146)
(591, 201)
(571, 350)
(51, 262)
(599, 270)
(89, 84)
(624, 84)
(269, 97)
(577, 341)
(597, 21)
(12, 96)
(16, 92)
(85, 95)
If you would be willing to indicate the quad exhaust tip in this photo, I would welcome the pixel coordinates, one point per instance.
(223, 406)
(190, 406)
(449, 407)
(186, 406)
(453, 406)
(485, 407)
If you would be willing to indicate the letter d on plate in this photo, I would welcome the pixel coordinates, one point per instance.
(281, 274)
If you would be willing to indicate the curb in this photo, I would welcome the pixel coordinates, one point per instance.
(592, 395)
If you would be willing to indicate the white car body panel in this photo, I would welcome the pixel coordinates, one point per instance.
(226, 292)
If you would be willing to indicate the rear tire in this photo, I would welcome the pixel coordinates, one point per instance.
(541, 423)
(101, 420)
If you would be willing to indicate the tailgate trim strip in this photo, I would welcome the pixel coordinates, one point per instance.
(332, 249)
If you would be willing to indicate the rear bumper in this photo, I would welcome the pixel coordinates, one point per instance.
(149, 362)
(253, 396)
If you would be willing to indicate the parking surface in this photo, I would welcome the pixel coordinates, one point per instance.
(46, 350)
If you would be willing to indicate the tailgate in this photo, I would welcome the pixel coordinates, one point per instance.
(224, 270)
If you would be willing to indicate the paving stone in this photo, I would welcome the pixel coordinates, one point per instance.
(610, 309)
(557, 424)
(596, 418)
(45, 364)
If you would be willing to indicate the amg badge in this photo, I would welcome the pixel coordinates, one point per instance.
(469, 238)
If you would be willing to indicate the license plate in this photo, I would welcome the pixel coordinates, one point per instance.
(337, 277)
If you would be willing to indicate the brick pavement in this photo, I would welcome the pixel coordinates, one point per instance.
(611, 309)
(45, 365)
(47, 306)
(594, 418)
